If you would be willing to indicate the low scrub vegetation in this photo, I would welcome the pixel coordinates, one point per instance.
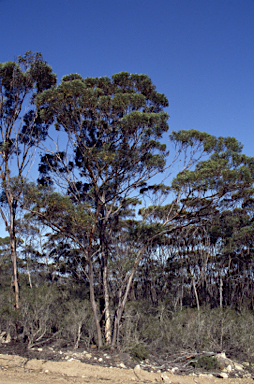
(52, 317)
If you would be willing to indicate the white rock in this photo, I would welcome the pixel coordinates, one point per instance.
(122, 365)
(137, 367)
(95, 358)
(72, 359)
(223, 375)
(165, 378)
(88, 356)
(100, 359)
(173, 370)
(228, 368)
(239, 367)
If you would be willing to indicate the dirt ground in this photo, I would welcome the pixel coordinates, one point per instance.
(21, 370)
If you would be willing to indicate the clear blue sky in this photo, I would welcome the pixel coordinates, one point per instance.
(200, 53)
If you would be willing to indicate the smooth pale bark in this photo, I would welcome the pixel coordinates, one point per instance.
(93, 304)
(91, 279)
(13, 244)
(195, 293)
(108, 326)
(15, 283)
(221, 292)
(123, 297)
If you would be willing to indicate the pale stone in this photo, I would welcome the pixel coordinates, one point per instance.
(223, 375)
(8, 339)
(173, 370)
(137, 367)
(246, 364)
(239, 367)
(100, 359)
(165, 378)
(228, 368)
(72, 359)
(122, 365)
(88, 356)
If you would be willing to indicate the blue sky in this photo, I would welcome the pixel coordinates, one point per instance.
(199, 53)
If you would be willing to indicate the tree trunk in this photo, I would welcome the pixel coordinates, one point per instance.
(15, 283)
(123, 298)
(221, 292)
(93, 303)
(121, 306)
(107, 309)
(195, 292)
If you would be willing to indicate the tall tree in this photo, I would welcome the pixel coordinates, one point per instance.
(21, 130)
(113, 127)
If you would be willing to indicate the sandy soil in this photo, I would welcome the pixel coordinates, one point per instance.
(20, 370)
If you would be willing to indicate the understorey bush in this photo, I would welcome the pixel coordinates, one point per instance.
(215, 330)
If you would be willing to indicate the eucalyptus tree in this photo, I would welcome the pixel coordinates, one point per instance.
(232, 234)
(220, 182)
(21, 129)
(113, 128)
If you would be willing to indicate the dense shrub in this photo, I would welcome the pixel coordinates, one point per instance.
(213, 330)
(206, 362)
(62, 315)
(139, 352)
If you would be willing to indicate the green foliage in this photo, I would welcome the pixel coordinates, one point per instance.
(116, 123)
(139, 352)
(206, 362)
